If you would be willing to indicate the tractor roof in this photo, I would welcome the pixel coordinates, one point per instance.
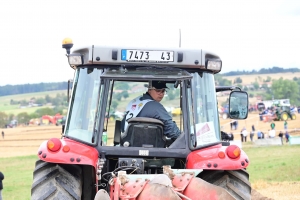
(172, 57)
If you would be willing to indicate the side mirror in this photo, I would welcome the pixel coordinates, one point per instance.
(238, 105)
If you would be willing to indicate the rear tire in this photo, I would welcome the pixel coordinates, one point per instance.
(56, 181)
(236, 182)
(293, 117)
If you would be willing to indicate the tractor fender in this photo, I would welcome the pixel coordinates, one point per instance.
(78, 153)
(208, 158)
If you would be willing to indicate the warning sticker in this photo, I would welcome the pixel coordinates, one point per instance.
(205, 133)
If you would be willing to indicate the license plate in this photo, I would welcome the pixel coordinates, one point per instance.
(147, 56)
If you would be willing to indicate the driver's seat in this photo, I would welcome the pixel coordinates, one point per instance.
(144, 132)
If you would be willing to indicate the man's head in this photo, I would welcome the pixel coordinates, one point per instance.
(157, 91)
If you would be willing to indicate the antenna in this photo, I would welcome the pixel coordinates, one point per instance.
(179, 37)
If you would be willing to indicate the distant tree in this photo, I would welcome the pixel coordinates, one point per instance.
(264, 85)
(283, 88)
(11, 116)
(3, 119)
(40, 101)
(114, 105)
(12, 102)
(238, 80)
(23, 118)
(239, 85)
(255, 85)
(222, 81)
(118, 96)
(23, 102)
(259, 78)
(268, 79)
(33, 116)
(58, 109)
(56, 102)
(122, 86)
(125, 94)
(45, 111)
(48, 98)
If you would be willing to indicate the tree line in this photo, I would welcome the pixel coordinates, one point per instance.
(42, 87)
(273, 70)
(32, 88)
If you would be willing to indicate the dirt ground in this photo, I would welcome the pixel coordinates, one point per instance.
(23, 141)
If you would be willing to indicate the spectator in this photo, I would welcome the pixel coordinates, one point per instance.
(242, 136)
(1, 184)
(287, 137)
(281, 137)
(234, 125)
(251, 135)
(253, 128)
(245, 134)
(285, 125)
(272, 125)
(272, 133)
(262, 135)
(259, 134)
(2, 134)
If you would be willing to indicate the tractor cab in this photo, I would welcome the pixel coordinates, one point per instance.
(96, 146)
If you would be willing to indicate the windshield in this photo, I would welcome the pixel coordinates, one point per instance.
(81, 117)
(203, 110)
(101, 97)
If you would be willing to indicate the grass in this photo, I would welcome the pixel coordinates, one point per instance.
(268, 165)
(274, 163)
(18, 172)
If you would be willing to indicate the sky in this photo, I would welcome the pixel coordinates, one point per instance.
(246, 34)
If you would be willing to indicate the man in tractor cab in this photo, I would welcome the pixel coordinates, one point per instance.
(148, 105)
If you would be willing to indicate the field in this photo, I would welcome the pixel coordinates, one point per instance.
(274, 171)
(248, 79)
(14, 109)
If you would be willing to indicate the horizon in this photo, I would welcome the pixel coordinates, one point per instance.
(244, 71)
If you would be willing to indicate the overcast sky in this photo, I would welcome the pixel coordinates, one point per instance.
(246, 34)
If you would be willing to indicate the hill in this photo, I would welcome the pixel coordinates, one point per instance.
(15, 109)
(31, 88)
(248, 79)
(7, 107)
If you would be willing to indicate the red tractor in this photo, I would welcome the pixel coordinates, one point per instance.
(96, 159)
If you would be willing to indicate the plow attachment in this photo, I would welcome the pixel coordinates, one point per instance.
(173, 185)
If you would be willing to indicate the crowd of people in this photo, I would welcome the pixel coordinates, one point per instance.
(270, 134)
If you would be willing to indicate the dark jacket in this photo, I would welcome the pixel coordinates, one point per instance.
(1, 178)
(154, 109)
